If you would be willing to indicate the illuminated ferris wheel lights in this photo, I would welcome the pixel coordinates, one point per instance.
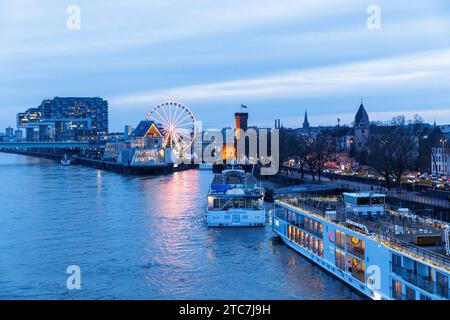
(177, 125)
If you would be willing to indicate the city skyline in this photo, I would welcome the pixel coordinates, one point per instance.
(275, 58)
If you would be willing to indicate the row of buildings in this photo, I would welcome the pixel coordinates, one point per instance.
(85, 119)
(432, 150)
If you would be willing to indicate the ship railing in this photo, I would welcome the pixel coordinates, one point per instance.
(376, 229)
(408, 275)
(428, 256)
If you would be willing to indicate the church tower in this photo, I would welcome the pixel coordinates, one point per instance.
(361, 128)
(305, 121)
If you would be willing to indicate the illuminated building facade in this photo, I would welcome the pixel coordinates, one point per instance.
(59, 119)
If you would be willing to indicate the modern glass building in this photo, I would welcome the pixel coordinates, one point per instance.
(59, 119)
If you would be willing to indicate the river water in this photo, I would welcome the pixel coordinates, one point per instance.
(136, 238)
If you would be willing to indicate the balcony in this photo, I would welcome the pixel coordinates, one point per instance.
(417, 280)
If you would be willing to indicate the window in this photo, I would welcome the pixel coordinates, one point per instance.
(410, 294)
(340, 259)
(301, 221)
(320, 249)
(396, 264)
(355, 246)
(340, 239)
(442, 284)
(363, 201)
(356, 268)
(397, 290)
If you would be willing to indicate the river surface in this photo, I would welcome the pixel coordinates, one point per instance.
(136, 238)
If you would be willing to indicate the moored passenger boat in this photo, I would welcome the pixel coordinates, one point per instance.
(235, 199)
(381, 253)
(65, 161)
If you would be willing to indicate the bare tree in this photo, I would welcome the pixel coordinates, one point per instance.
(321, 149)
(392, 153)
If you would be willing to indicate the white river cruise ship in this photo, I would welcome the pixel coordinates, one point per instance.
(235, 199)
(382, 253)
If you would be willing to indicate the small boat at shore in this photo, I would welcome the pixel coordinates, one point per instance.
(65, 161)
(235, 199)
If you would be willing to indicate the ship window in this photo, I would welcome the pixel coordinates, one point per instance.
(320, 231)
(235, 203)
(363, 201)
(442, 284)
(396, 263)
(410, 293)
(355, 246)
(302, 221)
(356, 268)
(316, 246)
(340, 239)
(320, 248)
(242, 203)
(340, 260)
(377, 200)
(216, 203)
(397, 290)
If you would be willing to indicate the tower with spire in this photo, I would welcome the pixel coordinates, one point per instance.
(361, 128)
(305, 121)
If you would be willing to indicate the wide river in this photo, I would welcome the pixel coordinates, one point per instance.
(136, 238)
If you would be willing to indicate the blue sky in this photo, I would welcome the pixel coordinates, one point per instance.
(278, 57)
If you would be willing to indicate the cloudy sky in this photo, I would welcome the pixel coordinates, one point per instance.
(279, 57)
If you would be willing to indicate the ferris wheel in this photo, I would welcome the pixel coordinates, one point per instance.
(176, 123)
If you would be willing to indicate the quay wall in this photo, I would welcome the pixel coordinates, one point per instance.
(107, 165)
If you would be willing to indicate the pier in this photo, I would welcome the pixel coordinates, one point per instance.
(104, 165)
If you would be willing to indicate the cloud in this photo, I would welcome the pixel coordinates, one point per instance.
(121, 24)
(418, 70)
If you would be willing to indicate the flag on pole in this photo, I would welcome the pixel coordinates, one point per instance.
(243, 106)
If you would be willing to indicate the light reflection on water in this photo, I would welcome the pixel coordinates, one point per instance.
(136, 238)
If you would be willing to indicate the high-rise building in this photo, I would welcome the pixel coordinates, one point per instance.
(31, 117)
(18, 134)
(9, 132)
(59, 118)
